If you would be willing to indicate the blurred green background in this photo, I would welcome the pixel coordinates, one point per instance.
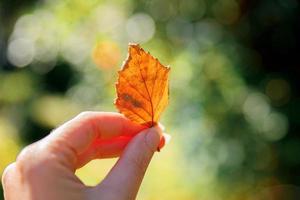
(234, 94)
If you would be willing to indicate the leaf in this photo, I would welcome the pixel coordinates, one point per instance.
(142, 87)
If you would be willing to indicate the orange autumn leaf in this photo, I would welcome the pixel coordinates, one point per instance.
(142, 87)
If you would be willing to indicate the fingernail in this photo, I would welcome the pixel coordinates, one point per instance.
(153, 136)
(165, 139)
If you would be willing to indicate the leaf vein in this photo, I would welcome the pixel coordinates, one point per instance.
(150, 98)
(131, 110)
(132, 86)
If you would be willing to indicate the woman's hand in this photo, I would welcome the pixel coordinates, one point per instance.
(46, 169)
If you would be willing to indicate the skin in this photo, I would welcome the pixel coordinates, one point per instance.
(46, 169)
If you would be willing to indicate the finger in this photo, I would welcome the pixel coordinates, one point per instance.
(112, 148)
(8, 181)
(165, 139)
(126, 176)
(88, 126)
(77, 135)
(103, 149)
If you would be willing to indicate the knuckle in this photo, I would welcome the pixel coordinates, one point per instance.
(33, 170)
(29, 161)
(26, 154)
(8, 171)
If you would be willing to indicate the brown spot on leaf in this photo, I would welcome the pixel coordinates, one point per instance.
(129, 98)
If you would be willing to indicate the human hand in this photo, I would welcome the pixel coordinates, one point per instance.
(46, 169)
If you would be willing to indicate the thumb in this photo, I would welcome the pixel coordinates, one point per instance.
(126, 176)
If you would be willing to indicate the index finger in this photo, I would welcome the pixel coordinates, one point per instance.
(80, 132)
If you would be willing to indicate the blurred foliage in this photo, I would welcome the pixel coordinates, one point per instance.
(234, 105)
